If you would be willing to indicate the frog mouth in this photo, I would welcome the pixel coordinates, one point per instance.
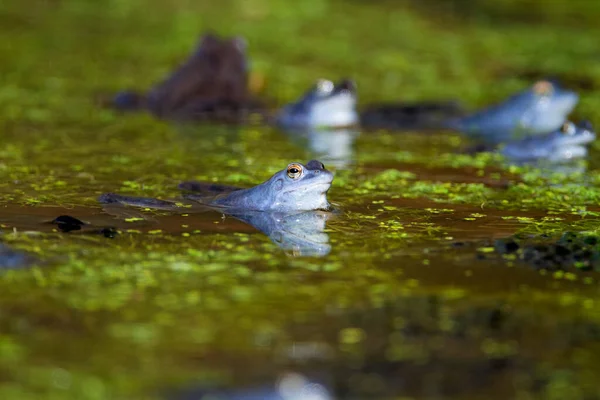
(581, 139)
(564, 102)
(318, 185)
(323, 187)
(312, 188)
(325, 179)
(580, 142)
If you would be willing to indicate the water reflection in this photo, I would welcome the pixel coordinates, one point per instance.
(299, 234)
(332, 146)
(290, 386)
(14, 259)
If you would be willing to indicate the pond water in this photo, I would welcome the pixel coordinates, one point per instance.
(403, 292)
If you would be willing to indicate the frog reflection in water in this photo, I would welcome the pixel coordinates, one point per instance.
(288, 386)
(289, 207)
(567, 143)
(299, 233)
(324, 121)
(332, 146)
(541, 109)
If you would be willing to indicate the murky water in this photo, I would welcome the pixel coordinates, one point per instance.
(399, 293)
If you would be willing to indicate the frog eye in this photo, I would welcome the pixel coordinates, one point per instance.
(324, 87)
(568, 129)
(543, 88)
(294, 171)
